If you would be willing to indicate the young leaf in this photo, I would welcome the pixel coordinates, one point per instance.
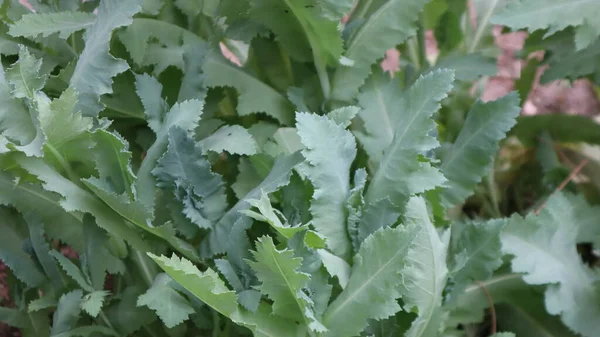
(571, 290)
(149, 90)
(425, 274)
(254, 95)
(24, 76)
(206, 286)
(389, 24)
(470, 157)
(330, 151)
(554, 15)
(41, 248)
(171, 306)
(92, 302)
(46, 24)
(283, 283)
(99, 259)
(374, 282)
(126, 316)
(95, 67)
(271, 216)
(230, 138)
(336, 267)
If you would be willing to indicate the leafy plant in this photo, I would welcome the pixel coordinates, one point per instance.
(152, 186)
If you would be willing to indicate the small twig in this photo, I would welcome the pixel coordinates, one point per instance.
(492, 307)
(564, 183)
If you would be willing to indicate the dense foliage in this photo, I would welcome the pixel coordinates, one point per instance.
(150, 186)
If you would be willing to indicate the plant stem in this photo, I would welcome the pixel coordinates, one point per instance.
(323, 77)
(422, 52)
(216, 324)
(142, 263)
(481, 26)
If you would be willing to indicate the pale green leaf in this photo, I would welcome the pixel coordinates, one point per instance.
(206, 286)
(336, 267)
(374, 284)
(195, 7)
(279, 176)
(44, 302)
(554, 15)
(503, 334)
(95, 67)
(171, 306)
(330, 151)
(283, 283)
(468, 67)
(254, 95)
(475, 250)
(92, 302)
(24, 75)
(126, 316)
(272, 216)
(87, 331)
(230, 138)
(184, 169)
(67, 312)
(425, 274)
(16, 124)
(184, 115)
(389, 24)
(46, 24)
(264, 324)
(471, 156)
(544, 249)
(149, 90)
(98, 258)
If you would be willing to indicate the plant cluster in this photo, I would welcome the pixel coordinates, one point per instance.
(150, 186)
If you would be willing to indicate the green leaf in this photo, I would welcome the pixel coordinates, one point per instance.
(279, 176)
(374, 282)
(388, 25)
(402, 172)
(475, 250)
(471, 156)
(336, 267)
(184, 115)
(95, 67)
(149, 89)
(85, 331)
(44, 302)
(283, 283)
(183, 168)
(264, 324)
(560, 127)
(206, 286)
(230, 138)
(72, 270)
(28, 197)
(572, 64)
(12, 253)
(92, 302)
(75, 198)
(98, 257)
(425, 274)
(468, 67)
(551, 237)
(330, 151)
(126, 316)
(302, 29)
(24, 75)
(503, 334)
(554, 15)
(272, 216)
(254, 95)
(16, 124)
(41, 249)
(195, 7)
(171, 306)
(46, 24)
(67, 312)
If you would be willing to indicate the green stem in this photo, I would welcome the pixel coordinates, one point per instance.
(491, 182)
(216, 324)
(481, 26)
(422, 52)
(147, 271)
(413, 54)
(323, 77)
(64, 164)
